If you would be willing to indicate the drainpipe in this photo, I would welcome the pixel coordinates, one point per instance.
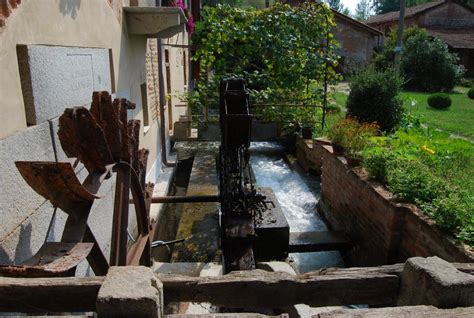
(162, 103)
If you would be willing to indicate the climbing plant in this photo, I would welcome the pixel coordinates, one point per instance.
(283, 52)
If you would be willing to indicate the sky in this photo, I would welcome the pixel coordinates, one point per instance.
(351, 4)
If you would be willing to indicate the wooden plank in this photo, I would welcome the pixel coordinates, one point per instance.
(301, 242)
(251, 289)
(41, 295)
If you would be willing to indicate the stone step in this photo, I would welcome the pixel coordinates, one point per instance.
(304, 242)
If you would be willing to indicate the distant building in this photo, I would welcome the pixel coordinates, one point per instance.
(358, 42)
(450, 20)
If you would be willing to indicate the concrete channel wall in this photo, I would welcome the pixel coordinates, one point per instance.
(383, 231)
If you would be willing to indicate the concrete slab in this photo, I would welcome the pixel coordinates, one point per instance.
(199, 222)
(56, 77)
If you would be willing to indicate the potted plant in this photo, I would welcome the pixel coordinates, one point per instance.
(349, 137)
(336, 134)
(356, 140)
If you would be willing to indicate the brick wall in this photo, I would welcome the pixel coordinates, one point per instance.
(310, 153)
(383, 231)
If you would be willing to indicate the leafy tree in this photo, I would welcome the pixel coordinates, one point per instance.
(426, 63)
(384, 6)
(362, 11)
(277, 50)
(339, 7)
(336, 5)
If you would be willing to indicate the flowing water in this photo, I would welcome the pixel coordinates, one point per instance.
(298, 196)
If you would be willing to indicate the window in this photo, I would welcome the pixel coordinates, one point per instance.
(146, 121)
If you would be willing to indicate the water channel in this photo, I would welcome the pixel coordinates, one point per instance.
(298, 195)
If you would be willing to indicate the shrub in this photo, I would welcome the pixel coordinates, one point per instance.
(412, 181)
(333, 109)
(464, 82)
(470, 93)
(426, 62)
(377, 164)
(373, 98)
(439, 100)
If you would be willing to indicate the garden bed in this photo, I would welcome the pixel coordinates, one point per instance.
(383, 230)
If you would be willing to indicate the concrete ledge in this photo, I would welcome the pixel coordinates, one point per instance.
(130, 291)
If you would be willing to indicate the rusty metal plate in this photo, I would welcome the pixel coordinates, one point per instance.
(53, 259)
(56, 182)
(107, 116)
(82, 137)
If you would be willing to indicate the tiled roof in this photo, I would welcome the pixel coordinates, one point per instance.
(361, 25)
(410, 11)
(455, 38)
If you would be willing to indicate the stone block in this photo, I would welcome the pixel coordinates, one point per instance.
(433, 281)
(18, 200)
(130, 291)
(276, 267)
(56, 77)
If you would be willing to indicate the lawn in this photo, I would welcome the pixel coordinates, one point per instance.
(458, 119)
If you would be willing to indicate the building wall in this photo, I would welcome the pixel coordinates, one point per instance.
(178, 57)
(357, 46)
(26, 215)
(448, 15)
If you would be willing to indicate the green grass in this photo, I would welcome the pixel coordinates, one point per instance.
(458, 119)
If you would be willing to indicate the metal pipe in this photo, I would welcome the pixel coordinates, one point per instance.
(185, 199)
(163, 243)
(162, 103)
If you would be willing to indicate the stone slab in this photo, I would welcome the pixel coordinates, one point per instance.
(396, 312)
(276, 267)
(18, 200)
(130, 291)
(433, 281)
(57, 77)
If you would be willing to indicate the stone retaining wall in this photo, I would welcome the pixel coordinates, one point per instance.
(383, 231)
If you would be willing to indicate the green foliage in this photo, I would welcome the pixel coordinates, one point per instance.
(362, 11)
(277, 50)
(439, 101)
(431, 170)
(470, 93)
(426, 62)
(466, 82)
(412, 181)
(373, 98)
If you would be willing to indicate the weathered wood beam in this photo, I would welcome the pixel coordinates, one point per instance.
(261, 289)
(71, 294)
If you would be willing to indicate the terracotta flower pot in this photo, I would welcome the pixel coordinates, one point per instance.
(338, 150)
(353, 161)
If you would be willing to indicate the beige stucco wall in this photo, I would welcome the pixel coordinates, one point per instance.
(82, 23)
(178, 82)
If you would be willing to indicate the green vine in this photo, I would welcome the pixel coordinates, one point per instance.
(283, 52)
